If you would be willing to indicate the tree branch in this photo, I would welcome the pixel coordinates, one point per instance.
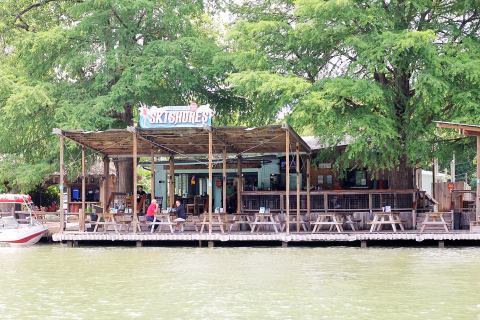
(19, 16)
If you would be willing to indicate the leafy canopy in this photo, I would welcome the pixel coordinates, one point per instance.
(86, 64)
(377, 71)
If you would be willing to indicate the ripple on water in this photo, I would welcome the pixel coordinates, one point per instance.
(52, 282)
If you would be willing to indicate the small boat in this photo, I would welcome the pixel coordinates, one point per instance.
(15, 231)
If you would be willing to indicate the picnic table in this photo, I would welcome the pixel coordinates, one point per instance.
(331, 219)
(386, 218)
(105, 220)
(239, 219)
(265, 219)
(434, 219)
(216, 221)
(160, 220)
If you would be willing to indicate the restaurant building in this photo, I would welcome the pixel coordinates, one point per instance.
(266, 176)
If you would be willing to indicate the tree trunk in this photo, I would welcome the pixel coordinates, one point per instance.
(124, 168)
(402, 177)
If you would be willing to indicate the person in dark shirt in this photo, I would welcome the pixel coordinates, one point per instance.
(181, 215)
(140, 193)
(141, 196)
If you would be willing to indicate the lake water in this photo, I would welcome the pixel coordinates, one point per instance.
(53, 282)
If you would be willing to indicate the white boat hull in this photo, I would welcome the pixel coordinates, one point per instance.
(24, 235)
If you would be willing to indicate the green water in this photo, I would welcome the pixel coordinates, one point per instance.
(53, 282)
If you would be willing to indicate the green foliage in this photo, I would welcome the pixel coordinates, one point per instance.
(374, 72)
(87, 64)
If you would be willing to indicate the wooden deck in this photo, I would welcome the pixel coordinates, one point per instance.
(258, 237)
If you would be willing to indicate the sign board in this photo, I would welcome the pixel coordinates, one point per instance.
(451, 186)
(175, 116)
(325, 166)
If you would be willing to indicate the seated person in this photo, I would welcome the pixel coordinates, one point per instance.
(152, 209)
(181, 215)
(141, 196)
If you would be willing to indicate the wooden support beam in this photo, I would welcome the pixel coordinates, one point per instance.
(297, 159)
(434, 177)
(171, 182)
(414, 210)
(134, 198)
(61, 183)
(309, 205)
(224, 180)
(477, 207)
(152, 175)
(210, 181)
(287, 180)
(106, 181)
(239, 184)
(81, 219)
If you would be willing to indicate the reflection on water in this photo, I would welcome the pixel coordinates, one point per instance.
(239, 283)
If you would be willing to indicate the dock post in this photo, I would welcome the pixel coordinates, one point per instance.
(139, 244)
(199, 243)
(284, 244)
(211, 244)
(363, 244)
(441, 244)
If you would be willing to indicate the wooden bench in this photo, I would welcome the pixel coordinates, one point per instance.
(434, 219)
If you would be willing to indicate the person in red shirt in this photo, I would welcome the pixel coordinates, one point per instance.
(152, 209)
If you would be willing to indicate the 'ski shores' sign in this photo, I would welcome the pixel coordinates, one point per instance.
(175, 116)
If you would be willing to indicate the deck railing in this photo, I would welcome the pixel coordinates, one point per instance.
(360, 202)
